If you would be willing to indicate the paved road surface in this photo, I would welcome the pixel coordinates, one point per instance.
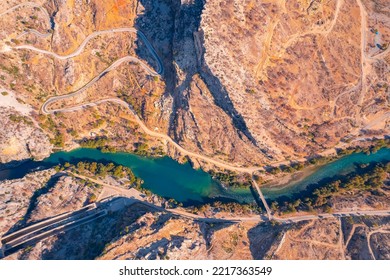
(80, 49)
(132, 193)
(62, 218)
(35, 233)
(32, 31)
(219, 163)
(26, 4)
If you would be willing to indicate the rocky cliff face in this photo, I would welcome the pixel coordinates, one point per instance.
(251, 82)
(271, 79)
(140, 232)
(20, 138)
(16, 196)
(298, 74)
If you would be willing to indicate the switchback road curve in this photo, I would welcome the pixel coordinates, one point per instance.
(32, 31)
(79, 50)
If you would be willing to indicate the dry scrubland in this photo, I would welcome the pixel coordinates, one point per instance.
(248, 82)
(251, 82)
(139, 232)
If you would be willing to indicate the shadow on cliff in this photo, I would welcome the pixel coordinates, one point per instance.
(156, 21)
(33, 202)
(89, 241)
(60, 243)
(263, 239)
(170, 26)
(19, 169)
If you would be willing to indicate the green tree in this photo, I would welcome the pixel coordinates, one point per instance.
(118, 171)
(93, 167)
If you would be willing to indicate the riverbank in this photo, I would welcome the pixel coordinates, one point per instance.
(162, 176)
(313, 175)
(291, 178)
(279, 177)
(169, 179)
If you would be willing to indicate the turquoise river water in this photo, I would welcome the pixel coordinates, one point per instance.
(170, 179)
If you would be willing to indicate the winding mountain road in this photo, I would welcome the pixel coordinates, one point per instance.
(26, 4)
(160, 69)
(36, 33)
(113, 66)
(148, 131)
(80, 49)
(45, 107)
(32, 31)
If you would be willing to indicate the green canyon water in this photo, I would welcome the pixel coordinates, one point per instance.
(167, 178)
(342, 166)
(162, 176)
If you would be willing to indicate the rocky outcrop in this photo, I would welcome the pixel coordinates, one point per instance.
(16, 196)
(20, 139)
(41, 195)
(158, 236)
(253, 82)
(280, 83)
